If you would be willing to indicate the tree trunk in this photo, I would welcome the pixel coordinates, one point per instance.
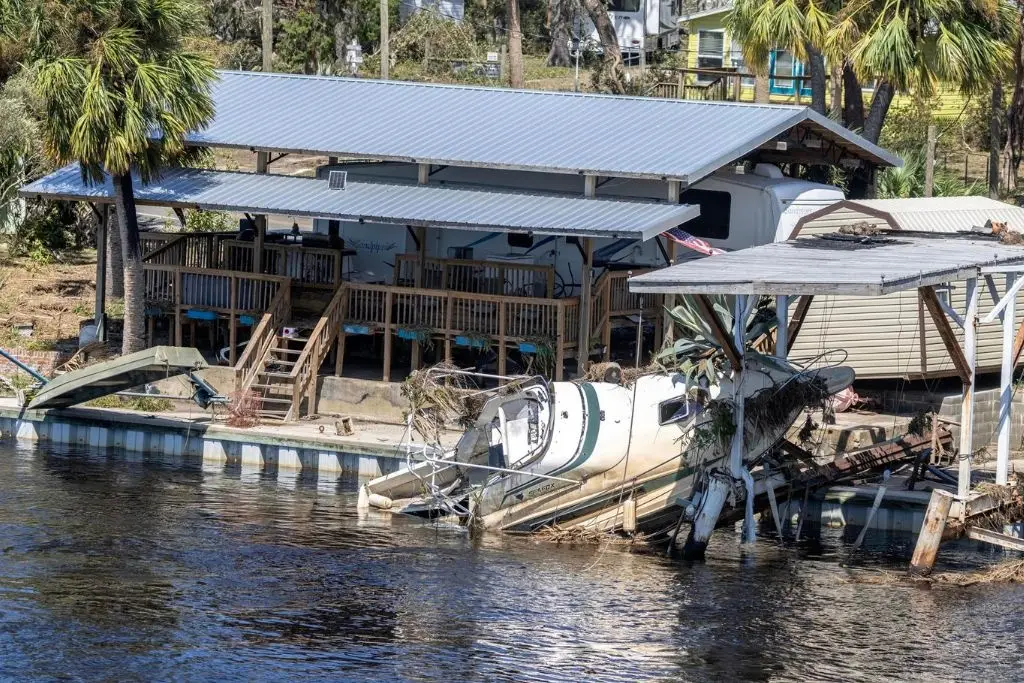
(819, 79)
(115, 259)
(995, 136)
(879, 109)
(835, 111)
(134, 282)
(853, 100)
(762, 89)
(1015, 115)
(558, 55)
(515, 44)
(613, 75)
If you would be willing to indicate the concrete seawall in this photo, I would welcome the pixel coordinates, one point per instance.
(306, 448)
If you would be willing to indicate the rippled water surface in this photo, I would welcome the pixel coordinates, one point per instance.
(115, 568)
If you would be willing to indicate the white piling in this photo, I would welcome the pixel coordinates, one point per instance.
(1006, 385)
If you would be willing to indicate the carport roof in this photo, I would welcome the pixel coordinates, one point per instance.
(401, 204)
(552, 132)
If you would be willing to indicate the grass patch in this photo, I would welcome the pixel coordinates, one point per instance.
(144, 404)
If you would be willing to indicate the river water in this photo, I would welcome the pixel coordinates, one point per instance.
(115, 568)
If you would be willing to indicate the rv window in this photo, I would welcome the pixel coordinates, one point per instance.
(624, 6)
(713, 221)
(677, 409)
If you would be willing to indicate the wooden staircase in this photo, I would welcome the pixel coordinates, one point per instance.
(273, 385)
(281, 371)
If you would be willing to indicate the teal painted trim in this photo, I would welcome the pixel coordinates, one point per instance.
(593, 417)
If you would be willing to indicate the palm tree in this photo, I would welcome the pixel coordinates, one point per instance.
(903, 45)
(119, 72)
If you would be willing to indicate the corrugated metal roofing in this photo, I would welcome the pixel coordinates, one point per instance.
(816, 265)
(946, 214)
(501, 128)
(491, 211)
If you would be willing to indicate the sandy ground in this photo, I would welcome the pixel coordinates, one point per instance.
(54, 298)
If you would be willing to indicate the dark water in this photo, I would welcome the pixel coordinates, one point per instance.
(115, 569)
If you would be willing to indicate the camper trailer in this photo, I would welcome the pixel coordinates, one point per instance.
(737, 210)
(646, 25)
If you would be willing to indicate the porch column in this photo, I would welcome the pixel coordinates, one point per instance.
(782, 331)
(262, 162)
(1006, 382)
(100, 314)
(668, 327)
(583, 343)
(967, 400)
(422, 178)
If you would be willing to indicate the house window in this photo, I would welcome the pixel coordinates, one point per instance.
(784, 66)
(710, 52)
(715, 209)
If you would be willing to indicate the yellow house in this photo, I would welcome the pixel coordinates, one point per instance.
(709, 47)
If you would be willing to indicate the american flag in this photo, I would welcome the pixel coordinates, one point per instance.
(680, 236)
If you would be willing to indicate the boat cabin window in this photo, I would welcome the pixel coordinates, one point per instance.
(677, 409)
(624, 6)
(715, 209)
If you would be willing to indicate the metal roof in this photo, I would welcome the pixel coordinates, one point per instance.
(527, 130)
(922, 214)
(829, 266)
(402, 204)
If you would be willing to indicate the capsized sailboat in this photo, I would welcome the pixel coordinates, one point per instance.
(605, 456)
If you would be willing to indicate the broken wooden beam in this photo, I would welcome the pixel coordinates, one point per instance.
(977, 533)
(938, 316)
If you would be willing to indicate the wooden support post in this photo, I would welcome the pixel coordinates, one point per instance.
(797, 321)
(667, 325)
(388, 302)
(606, 329)
(782, 331)
(385, 46)
(233, 323)
(177, 308)
(100, 314)
(930, 537)
(449, 312)
(421, 262)
(150, 330)
(502, 348)
(262, 162)
(586, 280)
(946, 333)
(967, 400)
(1006, 386)
(560, 342)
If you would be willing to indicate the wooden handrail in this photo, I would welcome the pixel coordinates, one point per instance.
(167, 246)
(304, 373)
(262, 339)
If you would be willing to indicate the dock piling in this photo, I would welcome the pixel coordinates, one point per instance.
(928, 541)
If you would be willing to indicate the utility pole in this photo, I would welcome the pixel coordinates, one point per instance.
(268, 35)
(385, 48)
(995, 140)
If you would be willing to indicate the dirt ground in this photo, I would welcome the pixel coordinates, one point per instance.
(54, 298)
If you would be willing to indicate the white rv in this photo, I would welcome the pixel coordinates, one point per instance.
(737, 211)
(639, 24)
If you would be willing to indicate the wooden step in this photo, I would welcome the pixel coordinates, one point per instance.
(302, 340)
(278, 361)
(281, 414)
(267, 399)
(278, 350)
(270, 373)
(266, 387)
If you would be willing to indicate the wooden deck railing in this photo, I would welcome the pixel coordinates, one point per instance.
(263, 337)
(190, 250)
(481, 277)
(213, 290)
(612, 299)
(307, 367)
(464, 318)
(310, 266)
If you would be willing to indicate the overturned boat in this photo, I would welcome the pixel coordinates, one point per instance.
(607, 456)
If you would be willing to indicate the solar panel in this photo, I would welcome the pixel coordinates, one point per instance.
(336, 180)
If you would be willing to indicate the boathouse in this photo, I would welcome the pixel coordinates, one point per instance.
(289, 307)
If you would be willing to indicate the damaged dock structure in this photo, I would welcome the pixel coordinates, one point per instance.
(288, 309)
(866, 263)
